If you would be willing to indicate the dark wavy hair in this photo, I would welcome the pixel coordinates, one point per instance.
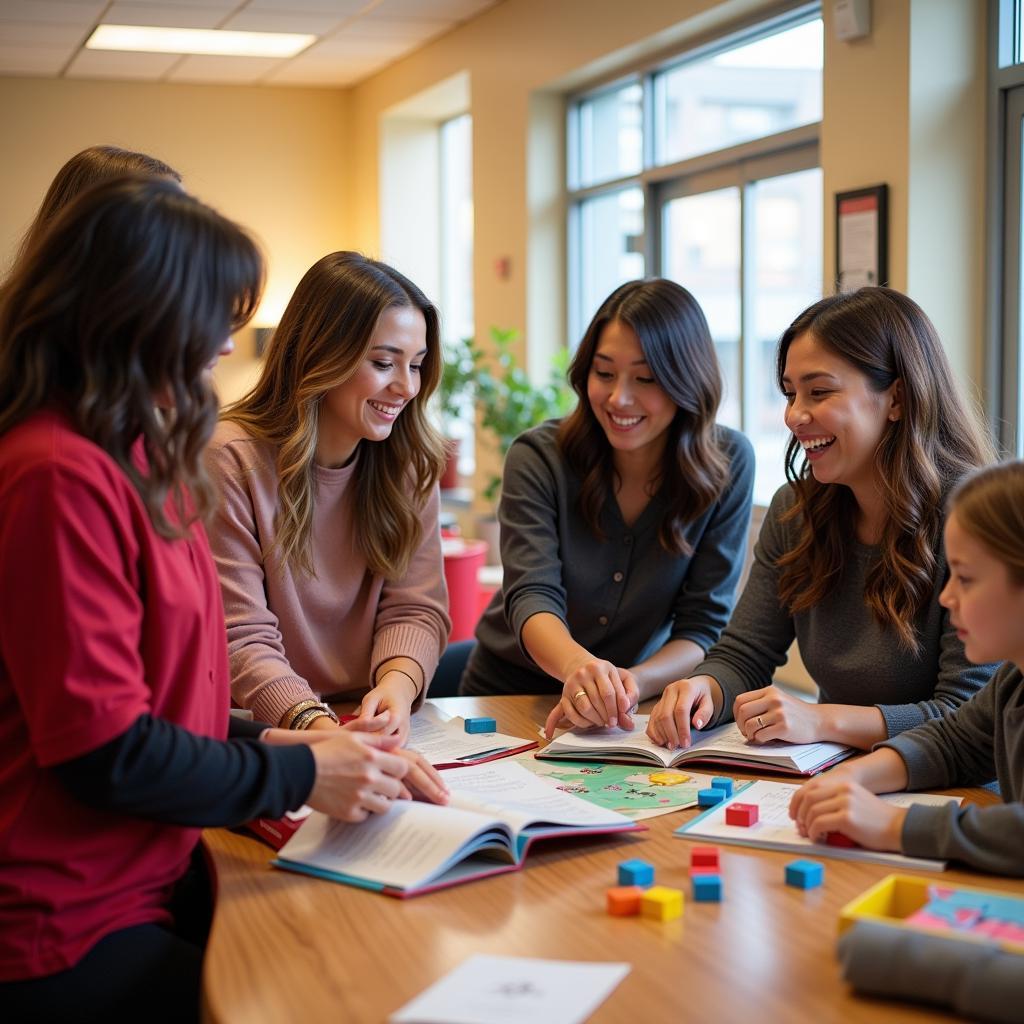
(938, 438)
(323, 338)
(88, 168)
(677, 345)
(123, 301)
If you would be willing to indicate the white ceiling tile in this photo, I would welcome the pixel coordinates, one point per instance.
(349, 47)
(338, 8)
(412, 30)
(120, 64)
(439, 10)
(207, 68)
(329, 73)
(58, 11)
(52, 36)
(39, 60)
(165, 15)
(281, 21)
(224, 6)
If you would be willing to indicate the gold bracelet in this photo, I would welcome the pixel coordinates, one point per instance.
(295, 710)
(402, 672)
(307, 717)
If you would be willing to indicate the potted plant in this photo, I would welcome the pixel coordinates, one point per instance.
(455, 397)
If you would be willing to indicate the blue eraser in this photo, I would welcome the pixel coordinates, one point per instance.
(707, 888)
(710, 797)
(721, 782)
(481, 725)
(804, 874)
(636, 872)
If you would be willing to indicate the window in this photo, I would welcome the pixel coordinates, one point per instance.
(705, 169)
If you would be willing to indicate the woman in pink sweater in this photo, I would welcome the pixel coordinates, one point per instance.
(326, 538)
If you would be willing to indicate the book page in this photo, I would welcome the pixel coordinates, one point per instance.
(444, 740)
(404, 848)
(507, 791)
(775, 830)
(609, 742)
(727, 739)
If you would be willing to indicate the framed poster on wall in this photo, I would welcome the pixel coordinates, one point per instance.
(862, 237)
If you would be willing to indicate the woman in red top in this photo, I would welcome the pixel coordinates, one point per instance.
(113, 663)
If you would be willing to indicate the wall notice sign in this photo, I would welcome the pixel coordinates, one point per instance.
(861, 238)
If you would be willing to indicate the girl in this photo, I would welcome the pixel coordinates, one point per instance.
(113, 670)
(981, 740)
(327, 538)
(623, 526)
(849, 559)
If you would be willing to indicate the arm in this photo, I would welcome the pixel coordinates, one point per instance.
(262, 679)
(411, 630)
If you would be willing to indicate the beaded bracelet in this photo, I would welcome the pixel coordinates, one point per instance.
(288, 718)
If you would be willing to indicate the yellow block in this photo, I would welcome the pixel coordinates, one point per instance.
(662, 903)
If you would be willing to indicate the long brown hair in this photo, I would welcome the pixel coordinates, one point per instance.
(677, 345)
(323, 338)
(938, 438)
(989, 505)
(88, 168)
(129, 294)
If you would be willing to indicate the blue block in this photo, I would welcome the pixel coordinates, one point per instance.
(721, 782)
(636, 872)
(707, 888)
(804, 874)
(710, 797)
(481, 725)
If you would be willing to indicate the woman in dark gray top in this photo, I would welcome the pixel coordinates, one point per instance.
(623, 526)
(983, 739)
(849, 560)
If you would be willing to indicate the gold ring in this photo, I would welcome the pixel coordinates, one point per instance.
(760, 722)
(579, 693)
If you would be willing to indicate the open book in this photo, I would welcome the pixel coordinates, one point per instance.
(444, 742)
(724, 745)
(495, 813)
(775, 830)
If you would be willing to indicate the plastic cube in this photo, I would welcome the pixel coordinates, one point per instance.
(704, 856)
(481, 725)
(700, 869)
(721, 782)
(636, 872)
(741, 814)
(662, 903)
(624, 900)
(710, 797)
(707, 888)
(839, 839)
(804, 874)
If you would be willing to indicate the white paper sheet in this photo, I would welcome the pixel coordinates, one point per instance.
(514, 990)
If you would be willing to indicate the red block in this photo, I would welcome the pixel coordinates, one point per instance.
(703, 869)
(839, 839)
(704, 857)
(624, 900)
(741, 814)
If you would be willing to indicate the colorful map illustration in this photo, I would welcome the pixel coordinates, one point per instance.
(632, 790)
(978, 913)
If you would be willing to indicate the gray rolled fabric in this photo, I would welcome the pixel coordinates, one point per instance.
(974, 979)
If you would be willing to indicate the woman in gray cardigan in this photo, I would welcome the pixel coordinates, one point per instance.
(622, 526)
(849, 560)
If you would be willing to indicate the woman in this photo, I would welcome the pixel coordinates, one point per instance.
(849, 560)
(981, 740)
(623, 526)
(113, 669)
(327, 538)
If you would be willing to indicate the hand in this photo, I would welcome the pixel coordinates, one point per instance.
(388, 705)
(423, 781)
(838, 803)
(771, 714)
(595, 694)
(684, 702)
(357, 774)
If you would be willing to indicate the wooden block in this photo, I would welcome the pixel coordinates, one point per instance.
(624, 900)
(710, 797)
(703, 869)
(839, 839)
(722, 782)
(662, 903)
(636, 872)
(481, 725)
(741, 814)
(804, 874)
(704, 856)
(707, 888)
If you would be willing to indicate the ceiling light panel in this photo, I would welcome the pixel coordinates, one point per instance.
(153, 39)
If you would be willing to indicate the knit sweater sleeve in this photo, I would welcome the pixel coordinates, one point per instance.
(412, 614)
(262, 679)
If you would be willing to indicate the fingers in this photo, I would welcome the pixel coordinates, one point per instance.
(423, 779)
(585, 707)
(703, 710)
(374, 724)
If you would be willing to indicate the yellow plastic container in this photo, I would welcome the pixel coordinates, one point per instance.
(896, 897)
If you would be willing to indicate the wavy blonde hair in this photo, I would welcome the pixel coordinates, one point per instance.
(323, 338)
(937, 440)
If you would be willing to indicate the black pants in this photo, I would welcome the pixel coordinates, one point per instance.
(146, 972)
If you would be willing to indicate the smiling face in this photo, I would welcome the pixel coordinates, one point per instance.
(632, 408)
(985, 605)
(365, 407)
(835, 414)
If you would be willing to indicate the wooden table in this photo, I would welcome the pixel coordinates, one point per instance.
(290, 948)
